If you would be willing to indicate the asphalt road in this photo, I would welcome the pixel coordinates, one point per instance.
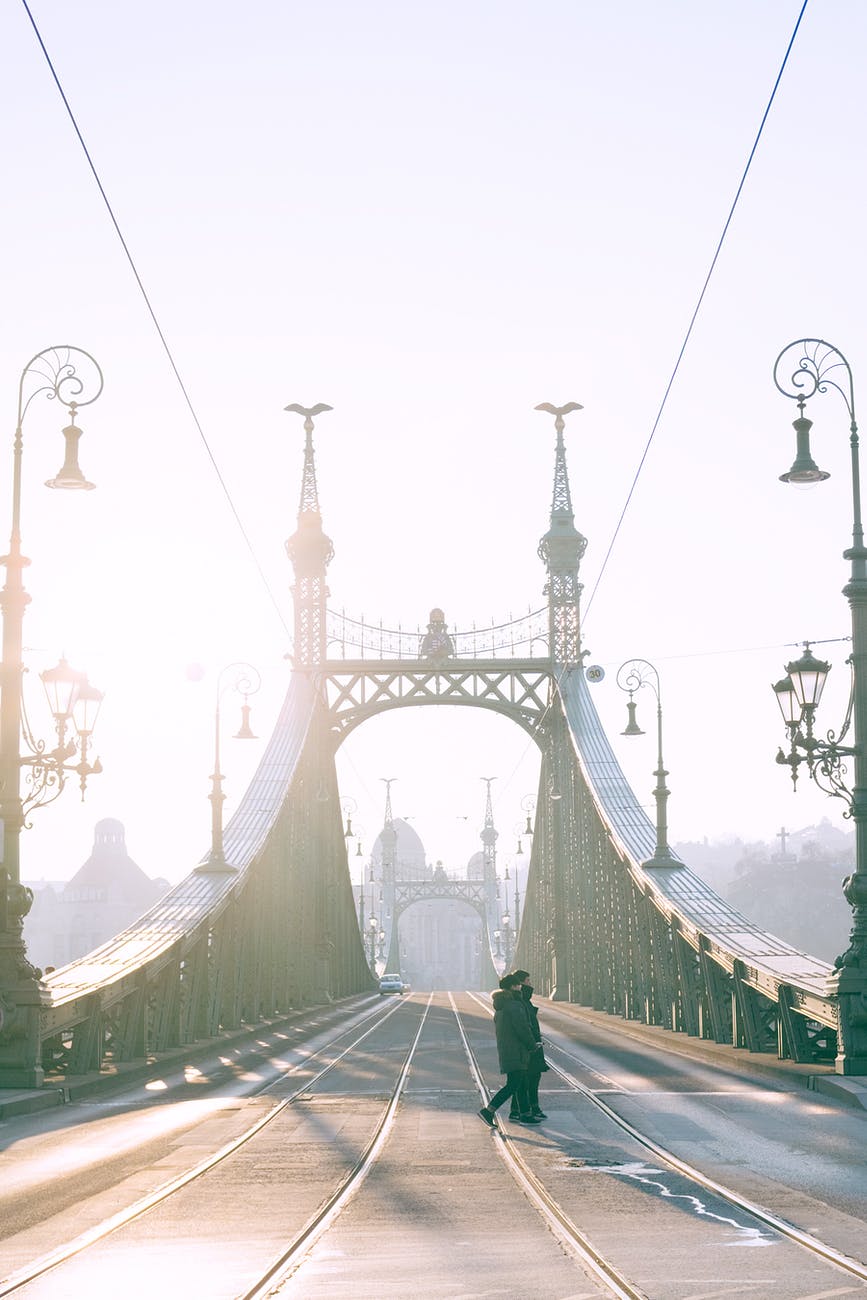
(439, 1213)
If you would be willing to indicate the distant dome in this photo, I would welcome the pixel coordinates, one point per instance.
(109, 831)
(476, 866)
(409, 847)
(111, 871)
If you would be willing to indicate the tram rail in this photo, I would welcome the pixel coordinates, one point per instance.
(807, 1241)
(54, 1259)
(338, 1190)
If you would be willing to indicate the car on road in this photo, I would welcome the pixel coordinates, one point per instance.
(390, 983)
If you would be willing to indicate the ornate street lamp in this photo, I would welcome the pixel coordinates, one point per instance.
(632, 676)
(245, 680)
(349, 806)
(798, 695)
(507, 938)
(528, 805)
(73, 378)
(804, 368)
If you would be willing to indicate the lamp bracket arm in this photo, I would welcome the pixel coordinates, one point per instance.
(47, 782)
(828, 775)
(813, 361)
(36, 747)
(56, 376)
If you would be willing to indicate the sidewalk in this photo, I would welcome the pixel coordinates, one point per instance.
(851, 1091)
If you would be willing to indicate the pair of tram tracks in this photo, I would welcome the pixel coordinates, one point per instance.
(574, 1239)
(578, 1240)
(564, 1228)
(317, 1224)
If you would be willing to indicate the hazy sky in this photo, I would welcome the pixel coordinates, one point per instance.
(431, 217)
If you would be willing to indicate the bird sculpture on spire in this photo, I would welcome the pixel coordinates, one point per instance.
(559, 411)
(308, 412)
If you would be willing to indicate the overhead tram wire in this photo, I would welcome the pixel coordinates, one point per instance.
(680, 355)
(696, 310)
(158, 327)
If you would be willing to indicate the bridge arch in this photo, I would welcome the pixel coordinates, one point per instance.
(354, 691)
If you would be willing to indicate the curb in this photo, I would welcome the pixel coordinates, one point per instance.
(849, 1091)
(29, 1101)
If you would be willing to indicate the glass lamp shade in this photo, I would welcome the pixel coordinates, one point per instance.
(85, 708)
(632, 728)
(61, 686)
(808, 675)
(70, 475)
(804, 468)
(788, 701)
(244, 732)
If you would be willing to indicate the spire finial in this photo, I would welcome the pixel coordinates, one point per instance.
(562, 496)
(558, 412)
(309, 503)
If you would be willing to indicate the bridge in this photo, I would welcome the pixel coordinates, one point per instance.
(251, 980)
(270, 925)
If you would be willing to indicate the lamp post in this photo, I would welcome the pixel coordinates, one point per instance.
(361, 882)
(507, 939)
(73, 378)
(632, 676)
(245, 680)
(802, 369)
(373, 926)
(517, 912)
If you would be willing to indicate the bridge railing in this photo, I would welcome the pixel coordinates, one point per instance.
(224, 949)
(695, 963)
(356, 638)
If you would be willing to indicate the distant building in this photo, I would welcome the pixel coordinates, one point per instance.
(440, 939)
(105, 895)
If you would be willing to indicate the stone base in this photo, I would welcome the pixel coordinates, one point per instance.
(852, 1066)
(20, 1038)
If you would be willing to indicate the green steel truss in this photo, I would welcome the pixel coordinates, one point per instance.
(230, 948)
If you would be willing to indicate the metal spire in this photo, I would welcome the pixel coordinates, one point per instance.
(309, 503)
(489, 835)
(562, 501)
(310, 552)
(561, 550)
(388, 835)
(388, 782)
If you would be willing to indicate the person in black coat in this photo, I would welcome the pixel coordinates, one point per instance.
(515, 1045)
(537, 1064)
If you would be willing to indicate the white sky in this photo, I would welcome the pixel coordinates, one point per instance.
(431, 218)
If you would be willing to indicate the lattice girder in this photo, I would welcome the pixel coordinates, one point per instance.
(357, 690)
